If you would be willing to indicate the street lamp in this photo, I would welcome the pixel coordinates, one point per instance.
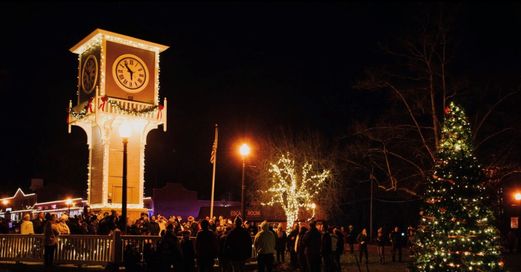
(244, 150)
(68, 201)
(124, 132)
(517, 196)
(5, 202)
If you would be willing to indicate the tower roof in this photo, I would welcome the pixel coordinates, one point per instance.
(97, 34)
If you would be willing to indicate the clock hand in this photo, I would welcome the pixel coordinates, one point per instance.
(130, 71)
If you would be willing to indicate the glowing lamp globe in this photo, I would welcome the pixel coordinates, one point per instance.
(244, 150)
(125, 130)
(5, 201)
(517, 196)
(68, 201)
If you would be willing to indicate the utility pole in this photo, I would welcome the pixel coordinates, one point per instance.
(371, 213)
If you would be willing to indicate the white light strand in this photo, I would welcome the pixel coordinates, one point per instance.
(291, 192)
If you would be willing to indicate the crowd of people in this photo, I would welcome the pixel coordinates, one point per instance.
(187, 245)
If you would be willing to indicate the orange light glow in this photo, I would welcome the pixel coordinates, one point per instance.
(68, 201)
(5, 202)
(517, 196)
(244, 150)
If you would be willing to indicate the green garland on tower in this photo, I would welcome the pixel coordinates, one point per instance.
(456, 231)
(133, 111)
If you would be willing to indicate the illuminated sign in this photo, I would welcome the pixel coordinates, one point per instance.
(514, 222)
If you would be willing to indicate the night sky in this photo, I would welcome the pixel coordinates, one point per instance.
(252, 68)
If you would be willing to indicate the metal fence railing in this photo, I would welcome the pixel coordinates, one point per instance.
(84, 249)
(17, 247)
(77, 249)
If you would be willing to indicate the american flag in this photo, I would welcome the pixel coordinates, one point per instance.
(214, 147)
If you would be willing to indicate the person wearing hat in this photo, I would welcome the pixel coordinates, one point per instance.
(237, 246)
(27, 226)
(192, 225)
(62, 227)
(265, 247)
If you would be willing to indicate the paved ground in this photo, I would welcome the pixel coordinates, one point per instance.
(349, 264)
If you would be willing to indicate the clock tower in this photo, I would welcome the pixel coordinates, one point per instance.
(118, 85)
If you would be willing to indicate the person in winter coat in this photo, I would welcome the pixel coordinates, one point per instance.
(265, 246)
(312, 245)
(27, 226)
(351, 238)
(238, 245)
(169, 250)
(326, 247)
(396, 241)
(206, 247)
(300, 249)
(339, 248)
(192, 225)
(50, 241)
(62, 226)
(154, 226)
(224, 260)
(188, 251)
(380, 245)
(291, 246)
(363, 240)
(280, 244)
(39, 223)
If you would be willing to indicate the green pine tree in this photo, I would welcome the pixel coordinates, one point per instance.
(456, 230)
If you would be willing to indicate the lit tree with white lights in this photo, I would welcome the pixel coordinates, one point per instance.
(456, 231)
(293, 187)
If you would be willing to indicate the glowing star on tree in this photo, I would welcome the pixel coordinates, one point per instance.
(294, 190)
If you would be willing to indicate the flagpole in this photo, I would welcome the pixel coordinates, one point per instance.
(213, 173)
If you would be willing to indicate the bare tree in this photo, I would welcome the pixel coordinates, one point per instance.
(399, 149)
(303, 161)
(293, 187)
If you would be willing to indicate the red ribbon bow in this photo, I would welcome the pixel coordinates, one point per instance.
(89, 105)
(104, 99)
(160, 112)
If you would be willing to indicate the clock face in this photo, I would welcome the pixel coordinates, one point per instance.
(130, 73)
(89, 74)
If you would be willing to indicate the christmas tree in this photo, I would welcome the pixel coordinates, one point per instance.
(456, 231)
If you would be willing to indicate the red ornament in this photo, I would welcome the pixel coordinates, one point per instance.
(443, 210)
(447, 110)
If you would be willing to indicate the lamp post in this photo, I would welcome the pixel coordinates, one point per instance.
(124, 133)
(244, 150)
